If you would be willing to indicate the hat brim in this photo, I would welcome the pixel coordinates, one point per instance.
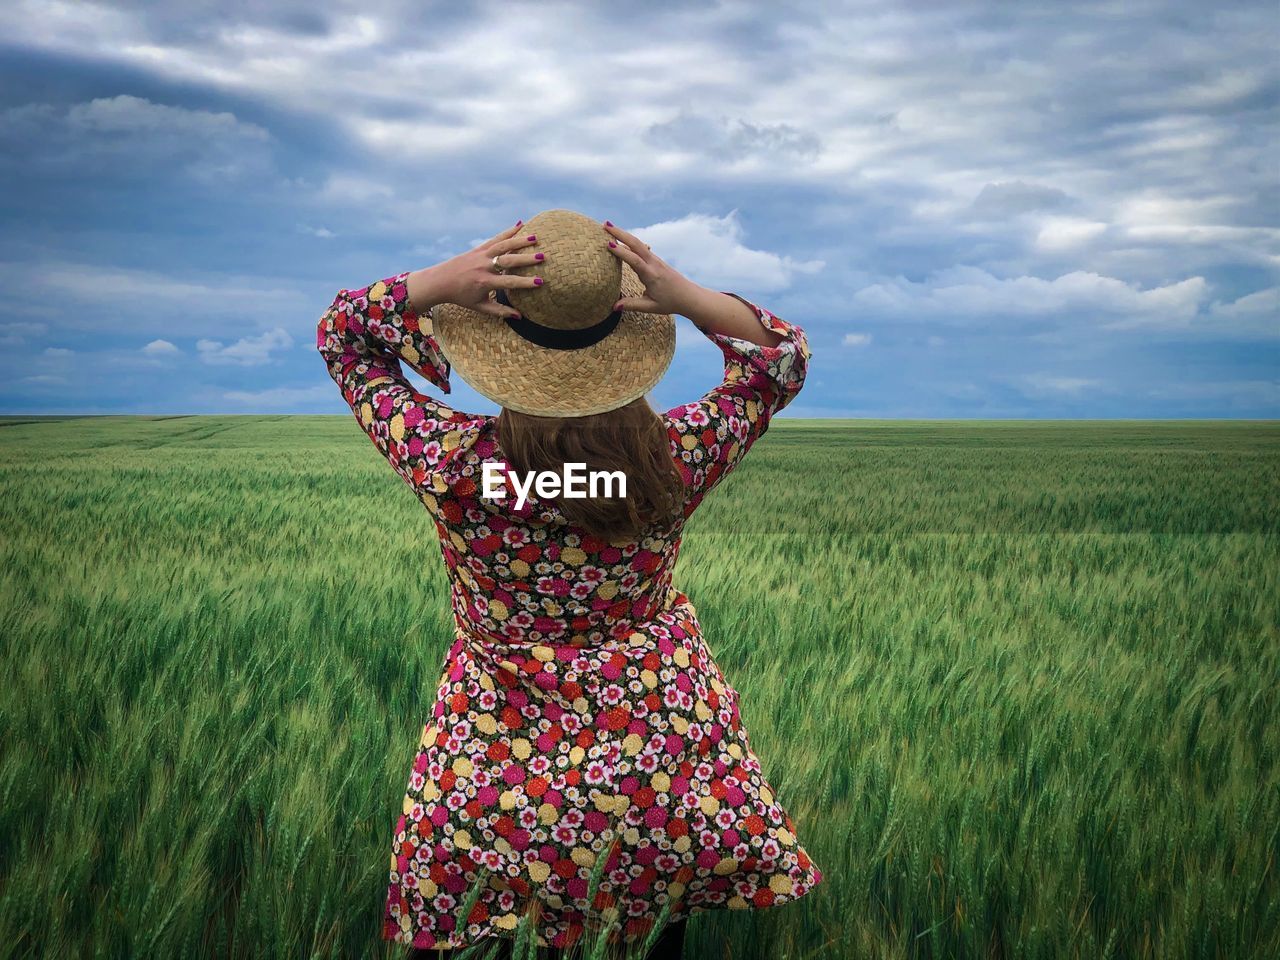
(544, 382)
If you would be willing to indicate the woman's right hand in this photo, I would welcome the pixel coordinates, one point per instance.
(469, 278)
(666, 289)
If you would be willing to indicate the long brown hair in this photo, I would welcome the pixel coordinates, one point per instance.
(632, 438)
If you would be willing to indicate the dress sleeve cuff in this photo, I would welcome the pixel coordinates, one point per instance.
(785, 364)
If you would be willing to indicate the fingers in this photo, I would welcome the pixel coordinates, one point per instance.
(495, 309)
(512, 281)
(512, 243)
(509, 261)
(509, 232)
(630, 239)
(623, 252)
(638, 305)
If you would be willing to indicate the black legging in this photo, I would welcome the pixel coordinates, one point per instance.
(670, 946)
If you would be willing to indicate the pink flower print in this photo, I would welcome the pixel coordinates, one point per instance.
(591, 575)
(696, 415)
(515, 537)
(647, 762)
(707, 858)
(564, 834)
(432, 452)
(556, 586)
(595, 773)
(539, 764)
(528, 818)
(455, 801)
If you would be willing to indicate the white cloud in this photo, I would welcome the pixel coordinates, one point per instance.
(160, 348)
(1063, 233)
(855, 339)
(709, 250)
(247, 351)
(57, 352)
(966, 293)
(105, 287)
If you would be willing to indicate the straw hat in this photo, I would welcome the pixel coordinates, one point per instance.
(568, 356)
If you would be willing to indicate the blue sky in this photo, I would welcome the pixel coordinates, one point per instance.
(974, 210)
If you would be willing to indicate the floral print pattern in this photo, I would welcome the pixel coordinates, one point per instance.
(580, 713)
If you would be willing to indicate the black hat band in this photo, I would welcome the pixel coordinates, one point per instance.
(557, 339)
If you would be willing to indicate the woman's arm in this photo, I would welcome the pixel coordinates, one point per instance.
(367, 333)
(364, 337)
(710, 437)
(728, 315)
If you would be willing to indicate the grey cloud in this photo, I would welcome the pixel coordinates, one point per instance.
(1009, 198)
(134, 137)
(728, 138)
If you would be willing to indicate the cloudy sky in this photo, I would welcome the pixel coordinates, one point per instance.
(974, 210)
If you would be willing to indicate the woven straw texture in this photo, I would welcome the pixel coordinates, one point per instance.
(583, 279)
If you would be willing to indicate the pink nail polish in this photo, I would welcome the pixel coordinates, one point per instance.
(539, 256)
(532, 236)
(612, 244)
(518, 222)
(537, 281)
(608, 223)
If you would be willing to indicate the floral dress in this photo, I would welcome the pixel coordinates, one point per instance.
(580, 713)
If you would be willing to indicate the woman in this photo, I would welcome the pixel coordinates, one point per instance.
(580, 715)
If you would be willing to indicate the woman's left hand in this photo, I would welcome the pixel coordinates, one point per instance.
(468, 278)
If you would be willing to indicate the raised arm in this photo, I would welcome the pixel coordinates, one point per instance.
(364, 336)
(765, 362)
(711, 436)
(367, 333)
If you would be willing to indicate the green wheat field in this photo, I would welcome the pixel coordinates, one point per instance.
(1017, 683)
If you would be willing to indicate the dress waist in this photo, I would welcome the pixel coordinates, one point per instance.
(467, 629)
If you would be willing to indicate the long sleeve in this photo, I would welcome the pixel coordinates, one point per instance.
(363, 337)
(710, 436)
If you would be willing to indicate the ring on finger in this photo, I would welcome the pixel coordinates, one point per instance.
(496, 267)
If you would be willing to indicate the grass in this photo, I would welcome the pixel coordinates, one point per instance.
(1016, 683)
